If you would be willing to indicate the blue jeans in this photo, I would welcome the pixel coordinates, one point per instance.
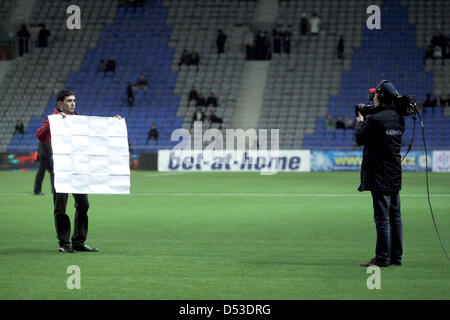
(388, 221)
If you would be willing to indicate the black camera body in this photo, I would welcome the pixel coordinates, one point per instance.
(364, 109)
(404, 106)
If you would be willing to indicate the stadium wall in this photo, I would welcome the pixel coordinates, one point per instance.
(292, 161)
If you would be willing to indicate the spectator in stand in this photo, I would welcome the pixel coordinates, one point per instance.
(153, 134)
(249, 40)
(211, 100)
(447, 51)
(213, 118)
(136, 3)
(142, 83)
(340, 48)
(195, 59)
(259, 45)
(439, 41)
(185, 58)
(19, 129)
(220, 41)
(315, 24)
(267, 46)
(277, 37)
(201, 102)
(437, 52)
(23, 36)
(131, 3)
(303, 24)
(198, 115)
(111, 65)
(193, 95)
(287, 35)
(438, 49)
(446, 102)
(429, 101)
(340, 123)
(429, 52)
(349, 122)
(329, 125)
(43, 36)
(130, 94)
(101, 66)
(209, 108)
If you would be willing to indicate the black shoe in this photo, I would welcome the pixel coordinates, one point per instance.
(85, 248)
(397, 264)
(374, 262)
(66, 249)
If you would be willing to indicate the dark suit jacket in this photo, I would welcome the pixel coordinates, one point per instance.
(44, 150)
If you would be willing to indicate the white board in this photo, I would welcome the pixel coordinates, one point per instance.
(90, 154)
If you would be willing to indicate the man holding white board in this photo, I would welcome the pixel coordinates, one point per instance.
(66, 103)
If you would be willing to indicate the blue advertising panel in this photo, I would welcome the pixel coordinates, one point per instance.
(337, 160)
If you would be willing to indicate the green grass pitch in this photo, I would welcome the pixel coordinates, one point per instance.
(224, 236)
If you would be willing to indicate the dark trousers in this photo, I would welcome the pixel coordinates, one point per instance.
(287, 47)
(44, 164)
(277, 46)
(23, 46)
(220, 48)
(388, 221)
(130, 101)
(249, 52)
(62, 220)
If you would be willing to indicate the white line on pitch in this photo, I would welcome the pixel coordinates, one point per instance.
(281, 195)
(164, 174)
(275, 195)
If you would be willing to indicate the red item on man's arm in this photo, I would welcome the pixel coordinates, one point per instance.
(43, 133)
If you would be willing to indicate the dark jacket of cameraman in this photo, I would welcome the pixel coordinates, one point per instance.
(381, 135)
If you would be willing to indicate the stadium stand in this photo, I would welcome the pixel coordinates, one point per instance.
(5, 8)
(299, 84)
(28, 89)
(427, 17)
(139, 40)
(195, 25)
(388, 53)
(301, 90)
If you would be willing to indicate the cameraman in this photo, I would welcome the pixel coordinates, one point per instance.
(381, 172)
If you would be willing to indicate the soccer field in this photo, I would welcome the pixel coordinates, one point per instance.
(224, 236)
